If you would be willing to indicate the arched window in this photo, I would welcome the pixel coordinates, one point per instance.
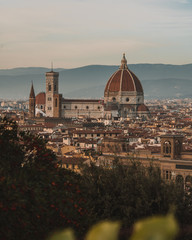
(167, 148)
(87, 107)
(114, 99)
(49, 87)
(127, 99)
(56, 102)
(75, 107)
(188, 179)
(55, 87)
(180, 180)
(177, 147)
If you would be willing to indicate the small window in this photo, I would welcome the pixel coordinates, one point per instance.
(75, 107)
(114, 99)
(49, 87)
(167, 175)
(98, 107)
(55, 88)
(167, 148)
(127, 99)
(64, 106)
(87, 107)
(56, 102)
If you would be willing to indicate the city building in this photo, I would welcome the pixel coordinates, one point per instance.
(173, 161)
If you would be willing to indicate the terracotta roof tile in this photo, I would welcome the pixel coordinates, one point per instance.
(123, 80)
(40, 98)
(142, 108)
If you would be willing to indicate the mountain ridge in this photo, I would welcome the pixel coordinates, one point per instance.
(15, 83)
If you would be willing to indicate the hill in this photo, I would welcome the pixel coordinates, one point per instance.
(158, 80)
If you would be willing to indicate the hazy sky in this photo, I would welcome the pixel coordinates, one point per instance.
(74, 33)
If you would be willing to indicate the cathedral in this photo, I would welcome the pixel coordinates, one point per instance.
(123, 98)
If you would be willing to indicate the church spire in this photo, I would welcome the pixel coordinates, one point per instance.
(32, 92)
(123, 62)
(32, 102)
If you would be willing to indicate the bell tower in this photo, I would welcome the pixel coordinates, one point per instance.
(32, 102)
(53, 98)
(171, 146)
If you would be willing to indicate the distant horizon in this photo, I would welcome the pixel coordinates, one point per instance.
(89, 81)
(96, 65)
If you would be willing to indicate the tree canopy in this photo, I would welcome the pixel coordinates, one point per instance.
(38, 197)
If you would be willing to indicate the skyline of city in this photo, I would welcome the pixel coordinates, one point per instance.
(78, 33)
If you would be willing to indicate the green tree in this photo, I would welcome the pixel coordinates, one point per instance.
(129, 193)
(36, 196)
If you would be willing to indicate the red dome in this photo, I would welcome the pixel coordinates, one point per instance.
(123, 80)
(40, 98)
(142, 108)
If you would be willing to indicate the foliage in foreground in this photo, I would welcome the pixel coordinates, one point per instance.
(37, 197)
(154, 228)
(128, 193)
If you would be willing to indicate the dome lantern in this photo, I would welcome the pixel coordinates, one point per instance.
(124, 62)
